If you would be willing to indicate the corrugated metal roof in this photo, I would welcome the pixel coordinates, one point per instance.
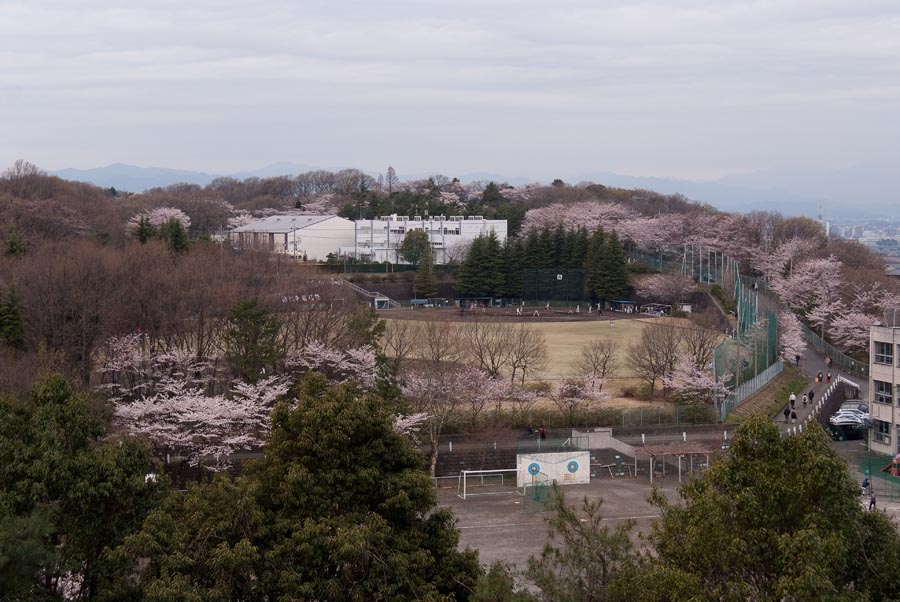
(284, 223)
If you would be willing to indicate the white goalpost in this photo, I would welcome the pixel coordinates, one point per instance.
(496, 480)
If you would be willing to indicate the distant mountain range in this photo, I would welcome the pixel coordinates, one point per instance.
(846, 194)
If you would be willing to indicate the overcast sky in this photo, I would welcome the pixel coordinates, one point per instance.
(692, 89)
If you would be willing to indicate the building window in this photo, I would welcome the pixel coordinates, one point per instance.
(883, 392)
(884, 353)
(881, 431)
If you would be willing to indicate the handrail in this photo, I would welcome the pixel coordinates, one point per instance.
(367, 293)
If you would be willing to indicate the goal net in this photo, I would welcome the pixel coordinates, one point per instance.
(486, 482)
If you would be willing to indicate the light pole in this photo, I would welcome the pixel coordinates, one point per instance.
(294, 230)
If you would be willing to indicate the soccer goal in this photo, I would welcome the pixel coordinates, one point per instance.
(486, 482)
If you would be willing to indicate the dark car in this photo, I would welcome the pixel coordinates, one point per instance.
(845, 432)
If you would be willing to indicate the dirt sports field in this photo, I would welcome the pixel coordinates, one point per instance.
(501, 528)
(565, 334)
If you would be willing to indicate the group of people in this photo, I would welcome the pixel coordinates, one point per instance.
(824, 378)
(790, 411)
(541, 432)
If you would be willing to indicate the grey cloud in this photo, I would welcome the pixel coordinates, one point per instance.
(681, 88)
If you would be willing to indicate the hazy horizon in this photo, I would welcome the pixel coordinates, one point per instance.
(693, 89)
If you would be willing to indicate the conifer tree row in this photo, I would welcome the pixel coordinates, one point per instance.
(492, 269)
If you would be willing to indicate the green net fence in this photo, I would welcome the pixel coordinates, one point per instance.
(541, 285)
(748, 359)
(537, 494)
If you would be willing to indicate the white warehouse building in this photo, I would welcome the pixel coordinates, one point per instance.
(380, 239)
(307, 237)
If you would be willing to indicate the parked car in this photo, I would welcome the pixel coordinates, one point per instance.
(845, 432)
(855, 404)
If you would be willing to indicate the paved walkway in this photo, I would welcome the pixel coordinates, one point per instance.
(811, 363)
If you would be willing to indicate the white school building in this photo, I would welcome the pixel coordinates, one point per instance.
(380, 239)
(308, 237)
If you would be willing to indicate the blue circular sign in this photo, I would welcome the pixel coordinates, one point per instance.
(573, 466)
(534, 468)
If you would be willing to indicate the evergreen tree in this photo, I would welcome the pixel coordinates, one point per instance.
(763, 525)
(67, 498)
(593, 262)
(491, 195)
(513, 253)
(414, 246)
(340, 508)
(546, 252)
(14, 246)
(558, 258)
(531, 258)
(12, 329)
(470, 278)
(174, 234)
(481, 273)
(251, 340)
(144, 231)
(425, 282)
(580, 245)
(614, 283)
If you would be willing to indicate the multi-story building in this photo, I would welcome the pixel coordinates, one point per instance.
(380, 239)
(884, 386)
(308, 237)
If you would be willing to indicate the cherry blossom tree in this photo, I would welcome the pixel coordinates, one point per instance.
(811, 282)
(441, 395)
(850, 330)
(241, 219)
(692, 385)
(790, 336)
(409, 424)
(173, 398)
(574, 395)
(205, 429)
(336, 365)
(576, 215)
(160, 216)
(669, 288)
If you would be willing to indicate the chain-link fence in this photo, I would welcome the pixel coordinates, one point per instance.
(839, 360)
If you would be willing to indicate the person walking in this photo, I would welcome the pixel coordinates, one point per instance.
(804, 399)
(819, 377)
(793, 417)
(811, 393)
(828, 377)
(787, 414)
(793, 400)
(828, 362)
(872, 499)
(542, 432)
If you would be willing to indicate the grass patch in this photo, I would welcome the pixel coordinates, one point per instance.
(789, 381)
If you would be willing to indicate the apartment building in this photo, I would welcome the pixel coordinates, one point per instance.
(884, 386)
(380, 239)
